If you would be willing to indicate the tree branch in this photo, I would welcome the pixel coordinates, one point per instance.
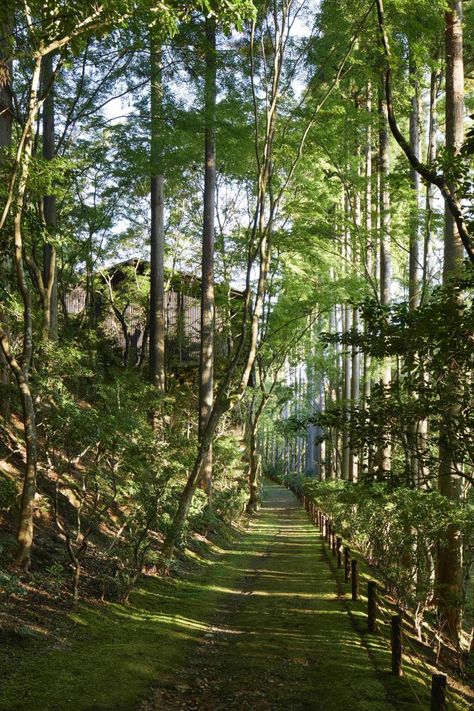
(431, 176)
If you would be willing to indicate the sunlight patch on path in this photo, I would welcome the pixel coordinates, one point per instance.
(280, 638)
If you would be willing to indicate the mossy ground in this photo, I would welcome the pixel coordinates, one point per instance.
(261, 626)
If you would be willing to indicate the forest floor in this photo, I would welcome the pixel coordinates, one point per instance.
(264, 624)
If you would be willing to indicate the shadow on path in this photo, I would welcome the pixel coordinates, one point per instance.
(280, 638)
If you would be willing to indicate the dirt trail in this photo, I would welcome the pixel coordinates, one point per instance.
(280, 638)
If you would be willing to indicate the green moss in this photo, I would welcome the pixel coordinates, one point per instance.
(286, 637)
(116, 653)
(413, 690)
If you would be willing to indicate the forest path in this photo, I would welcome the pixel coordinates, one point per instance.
(280, 637)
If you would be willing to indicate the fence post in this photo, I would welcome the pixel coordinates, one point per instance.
(347, 564)
(326, 531)
(396, 645)
(372, 605)
(438, 692)
(339, 552)
(355, 580)
(333, 540)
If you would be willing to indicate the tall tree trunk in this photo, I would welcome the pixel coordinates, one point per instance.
(355, 356)
(157, 233)
(206, 366)
(21, 370)
(259, 254)
(385, 248)
(6, 76)
(430, 188)
(384, 199)
(418, 429)
(347, 355)
(369, 263)
(254, 457)
(6, 123)
(448, 583)
(355, 395)
(347, 362)
(339, 391)
(414, 250)
(453, 248)
(50, 282)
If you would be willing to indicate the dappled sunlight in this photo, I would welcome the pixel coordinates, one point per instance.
(266, 611)
(278, 613)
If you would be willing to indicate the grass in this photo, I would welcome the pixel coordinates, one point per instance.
(259, 626)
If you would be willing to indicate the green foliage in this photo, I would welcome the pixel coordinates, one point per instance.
(432, 345)
(398, 529)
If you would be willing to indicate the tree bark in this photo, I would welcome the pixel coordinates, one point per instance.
(50, 282)
(254, 460)
(430, 188)
(347, 359)
(206, 366)
(355, 356)
(259, 254)
(21, 369)
(448, 582)
(369, 263)
(418, 429)
(385, 250)
(414, 247)
(6, 124)
(453, 248)
(157, 232)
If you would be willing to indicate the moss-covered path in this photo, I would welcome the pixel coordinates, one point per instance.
(258, 626)
(280, 636)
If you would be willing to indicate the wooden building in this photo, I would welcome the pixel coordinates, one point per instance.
(117, 303)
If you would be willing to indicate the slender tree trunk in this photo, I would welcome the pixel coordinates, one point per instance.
(430, 189)
(384, 198)
(414, 257)
(355, 358)
(347, 360)
(49, 277)
(369, 258)
(453, 248)
(26, 513)
(355, 394)
(339, 392)
(417, 428)
(206, 367)
(330, 398)
(385, 249)
(6, 123)
(21, 371)
(157, 234)
(254, 462)
(448, 583)
(259, 253)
